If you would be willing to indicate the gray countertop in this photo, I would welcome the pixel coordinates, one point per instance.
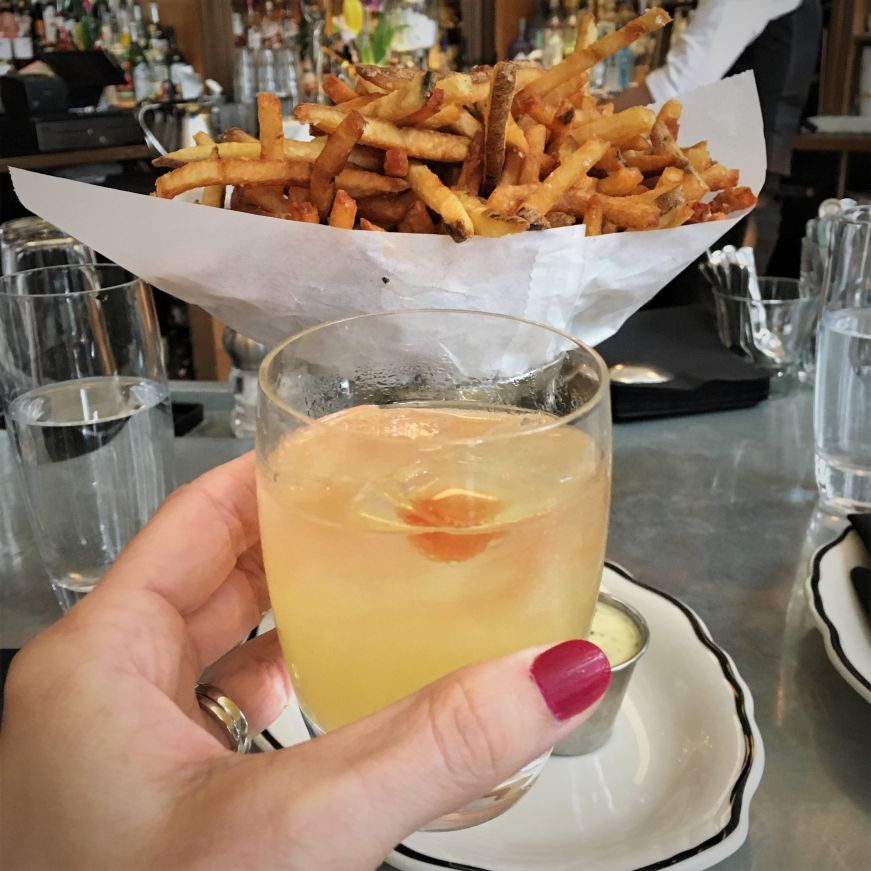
(719, 510)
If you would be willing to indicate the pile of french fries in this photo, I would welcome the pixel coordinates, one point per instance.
(488, 153)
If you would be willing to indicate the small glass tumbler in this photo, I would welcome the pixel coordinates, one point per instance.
(31, 243)
(842, 401)
(433, 490)
(773, 331)
(86, 400)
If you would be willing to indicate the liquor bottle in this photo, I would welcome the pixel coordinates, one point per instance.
(270, 25)
(23, 43)
(176, 62)
(552, 45)
(253, 20)
(37, 24)
(49, 21)
(570, 26)
(520, 45)
(537, 25)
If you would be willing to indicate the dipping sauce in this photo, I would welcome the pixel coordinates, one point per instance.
(615, 633)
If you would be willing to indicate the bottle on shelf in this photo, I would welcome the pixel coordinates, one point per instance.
(552, 44)
(520, 46)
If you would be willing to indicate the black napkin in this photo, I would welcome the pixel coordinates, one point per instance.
(683, 341)
(860, 576)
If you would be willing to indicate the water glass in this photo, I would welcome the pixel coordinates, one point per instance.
(29, 243)
(417, 470)
(84, 391)
(773, 331)
(842, 403)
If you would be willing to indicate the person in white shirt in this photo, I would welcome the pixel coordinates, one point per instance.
(779, 40)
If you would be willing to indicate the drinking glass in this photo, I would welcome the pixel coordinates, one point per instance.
(83, 387)
(29, 243)
(773, 331)
(433, 490)
(842, 403)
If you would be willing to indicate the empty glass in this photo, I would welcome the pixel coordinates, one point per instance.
(83, 387)
(842, 404)
(29, 243)
(773, 331)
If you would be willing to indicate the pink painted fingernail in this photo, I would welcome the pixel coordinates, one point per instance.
(571, 676)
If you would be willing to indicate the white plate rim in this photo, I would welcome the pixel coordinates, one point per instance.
(826, 621)
(732, 835)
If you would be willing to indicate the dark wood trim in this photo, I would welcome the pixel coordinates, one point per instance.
(75, 158)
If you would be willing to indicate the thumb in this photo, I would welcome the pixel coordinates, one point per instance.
(429, 754)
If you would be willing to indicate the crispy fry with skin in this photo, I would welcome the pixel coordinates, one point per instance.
(231, 172)
(403, 102)
(536, 138)
(234, 134)
(271, 127)
(487, 222)
(304, 212)
(250, 150)
(331, 161)
(425, 144)
(417, 220)
(593, 216)
(359, 102)
(635, 121)
(496, 121)
(396, 162)
(268, 199)
(733, 200)
(344, 211)
(431, 114)
(676, 217)
(337, 90)
(385, 209)
(647, 162)
(621, 182)
(366, 224)
(717, 177)
(507, 200)
(443, 119)
(535, 208)
(462, 88)
(586, 58)
(297, 194)
(212, 195)
(472, 172)
(425, 183)
(511, 168)
(361, 183)
(587, 33)
(698, 156)
(630, 212)
(669, 116)
(560, 219)
(466, 124)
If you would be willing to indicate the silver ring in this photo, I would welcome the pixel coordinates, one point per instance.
(227, 713)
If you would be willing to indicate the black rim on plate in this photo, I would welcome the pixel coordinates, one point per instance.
(736, 798)
(834, 637)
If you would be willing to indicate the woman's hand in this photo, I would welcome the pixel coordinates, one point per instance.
(108, 761)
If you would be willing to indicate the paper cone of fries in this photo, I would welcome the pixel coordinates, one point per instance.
(268, 278)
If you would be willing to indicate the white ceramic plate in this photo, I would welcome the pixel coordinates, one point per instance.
(836, 609)
(671, 788)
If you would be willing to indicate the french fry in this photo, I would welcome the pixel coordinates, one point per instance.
(496, 116)
(337, 90)
(488, 222)
(366, 224)
(635, 121)
(586, 58)
(587, 33)
(511, 168)
(472, 171)
(462, 88)
(271, 127)
(385, 209)
(698, 156)
(507, 199)
(361, 183)
(676, 217)
(268, 199)
(212, 195)
(717, 177)
(647, 162)
(621, 182)
(424, 144)
(386, 79)
(535, 208)
(669, 116)
(242, 149)
(425, 183)
(631, 212)
(234, 134)
(593, 216)
(404, 101)
(416, 220)
(443, 119)
(733, 199)
(466, 124)
(359, 102)
(396, 162)
(344, 211)
(365, 157)
(304, 212)
(331, 161)
(556, 218)
(514, 136)
(231, 172)
(297, 193)
(536, 137)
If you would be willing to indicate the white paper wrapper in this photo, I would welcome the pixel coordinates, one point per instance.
(268, 278)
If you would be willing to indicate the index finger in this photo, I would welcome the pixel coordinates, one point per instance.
(187, 549)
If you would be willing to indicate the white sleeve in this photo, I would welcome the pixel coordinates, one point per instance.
(718, 31)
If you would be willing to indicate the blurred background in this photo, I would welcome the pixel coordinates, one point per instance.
(93, 89)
